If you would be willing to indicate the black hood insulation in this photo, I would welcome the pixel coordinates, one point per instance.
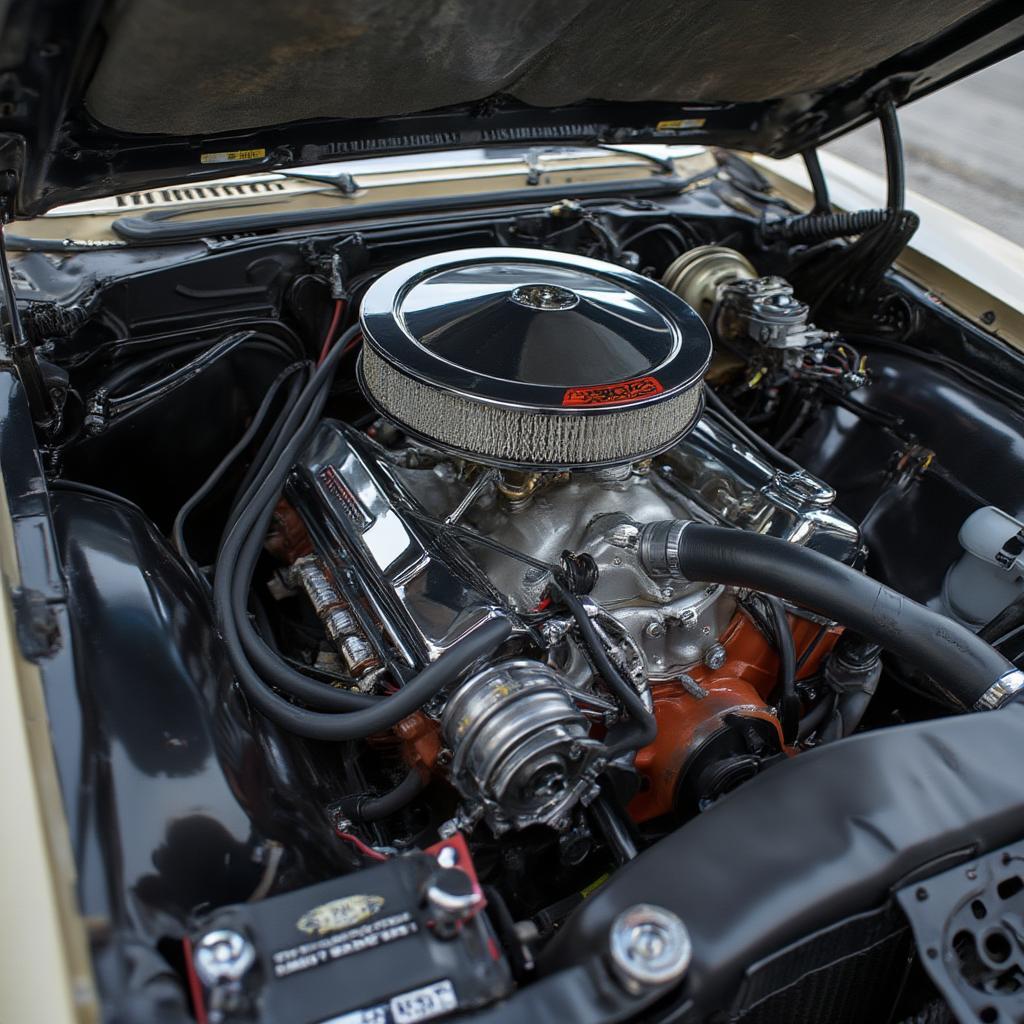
(95, 106)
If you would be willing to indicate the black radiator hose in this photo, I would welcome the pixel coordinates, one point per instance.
(972, 672)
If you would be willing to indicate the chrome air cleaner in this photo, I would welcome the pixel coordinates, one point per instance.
(529, 358)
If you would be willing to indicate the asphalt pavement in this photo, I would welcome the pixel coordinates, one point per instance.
(964, 147)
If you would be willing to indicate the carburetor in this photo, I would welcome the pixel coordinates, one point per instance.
(765, 311)
(758, 318)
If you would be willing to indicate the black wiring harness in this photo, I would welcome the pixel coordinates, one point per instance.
(855, 270)
(330, 714)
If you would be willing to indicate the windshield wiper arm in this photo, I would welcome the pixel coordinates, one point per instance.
(666, 163)
(341, 180)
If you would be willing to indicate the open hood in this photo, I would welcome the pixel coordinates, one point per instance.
(104, 96)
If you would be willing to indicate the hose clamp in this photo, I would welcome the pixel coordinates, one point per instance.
(659, 547)
(1007, 687)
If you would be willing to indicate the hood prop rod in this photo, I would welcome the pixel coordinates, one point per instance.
(17, 351)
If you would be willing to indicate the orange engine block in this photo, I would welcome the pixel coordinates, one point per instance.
(714, 735)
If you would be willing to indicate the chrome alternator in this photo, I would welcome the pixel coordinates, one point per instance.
(521, 751)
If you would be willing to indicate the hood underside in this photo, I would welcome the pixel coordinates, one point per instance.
(99, 96)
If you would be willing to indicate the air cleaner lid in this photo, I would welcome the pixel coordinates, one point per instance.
(541, 335)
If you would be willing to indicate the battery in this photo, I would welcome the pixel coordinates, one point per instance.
(403, 941)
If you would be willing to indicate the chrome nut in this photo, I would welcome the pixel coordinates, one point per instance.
(649, 948)
(222, 956)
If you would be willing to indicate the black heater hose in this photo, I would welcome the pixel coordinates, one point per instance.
(789, 701)
(822, 224)
(353, 716)
(821, 227)
(375, 808)
(972, 672)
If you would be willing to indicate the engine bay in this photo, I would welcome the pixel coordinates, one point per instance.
(457, 561)
(571, 508)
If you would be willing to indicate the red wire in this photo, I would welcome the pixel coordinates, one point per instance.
(339, 306)
(366, 851)
(195, 989)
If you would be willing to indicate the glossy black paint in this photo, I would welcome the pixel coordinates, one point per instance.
(157, 711)
(978, 441)
(143, 714)
(174, 801)
(53, 151)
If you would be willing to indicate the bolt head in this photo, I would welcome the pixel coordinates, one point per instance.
(654, 629)
(715, 657)
(223, 956)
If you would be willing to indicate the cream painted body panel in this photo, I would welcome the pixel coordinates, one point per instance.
(45, 971)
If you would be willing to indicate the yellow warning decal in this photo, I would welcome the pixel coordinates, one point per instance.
(684, 122)
(233, 156)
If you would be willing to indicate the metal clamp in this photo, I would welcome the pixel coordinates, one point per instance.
(1007, 687)
(659, 547)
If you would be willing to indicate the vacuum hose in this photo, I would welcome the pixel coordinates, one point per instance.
(972, 672)
(376, 808)
(644, 724)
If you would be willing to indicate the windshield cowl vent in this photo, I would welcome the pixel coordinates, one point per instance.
(196, 194)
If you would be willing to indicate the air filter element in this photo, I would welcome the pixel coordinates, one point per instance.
(532, 359)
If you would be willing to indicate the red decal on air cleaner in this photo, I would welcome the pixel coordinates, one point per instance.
(614, 394)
